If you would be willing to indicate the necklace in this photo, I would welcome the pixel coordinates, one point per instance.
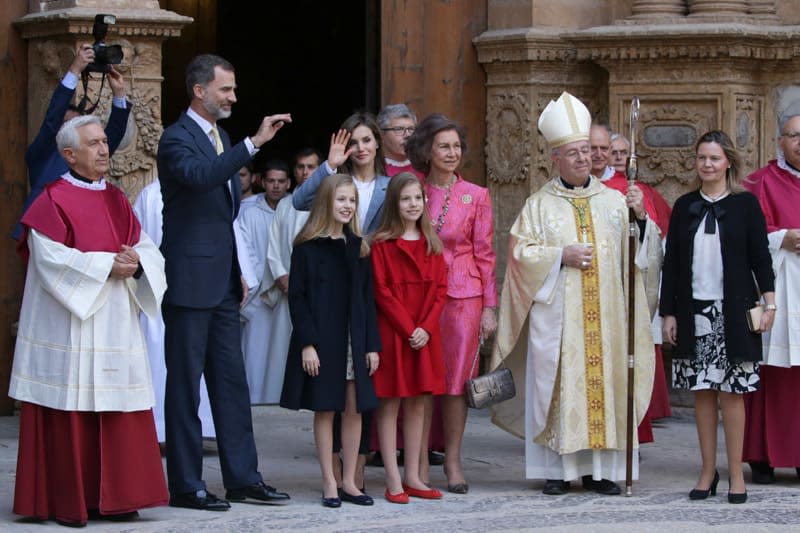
(445, 205)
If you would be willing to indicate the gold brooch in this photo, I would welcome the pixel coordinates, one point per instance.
(466, 199)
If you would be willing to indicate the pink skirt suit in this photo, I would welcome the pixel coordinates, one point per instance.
(463, 219)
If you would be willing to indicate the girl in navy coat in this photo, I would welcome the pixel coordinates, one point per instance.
(335, 341)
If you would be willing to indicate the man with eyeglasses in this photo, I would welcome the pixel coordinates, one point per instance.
(772, 431)
(563, 316)
(397, 122)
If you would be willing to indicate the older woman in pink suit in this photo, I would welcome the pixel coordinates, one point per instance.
(461, 213)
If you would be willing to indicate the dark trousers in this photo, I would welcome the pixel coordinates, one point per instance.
(207, 342)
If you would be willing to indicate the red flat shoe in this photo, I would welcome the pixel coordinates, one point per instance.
(428, 494)
(400, 497)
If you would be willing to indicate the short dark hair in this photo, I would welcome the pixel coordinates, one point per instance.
(275, 164)
(200, 71)
(420, 144)
(307, 151)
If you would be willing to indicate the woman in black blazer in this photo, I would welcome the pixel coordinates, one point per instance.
(716, 252)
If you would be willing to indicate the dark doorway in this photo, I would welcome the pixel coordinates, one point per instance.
(318, 61)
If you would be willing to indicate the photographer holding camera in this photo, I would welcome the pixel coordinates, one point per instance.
(44, 161)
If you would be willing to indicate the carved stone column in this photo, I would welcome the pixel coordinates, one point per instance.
(658, 8)
(55, 28)
(763, 10)
(717, 7)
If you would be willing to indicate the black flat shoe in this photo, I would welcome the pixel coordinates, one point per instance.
(555, 487)
(202, 500)
(458, 488)
(258, 493)
(331, 502)
(763, 474)
(605, 487)
(361, 499)
(699, 494)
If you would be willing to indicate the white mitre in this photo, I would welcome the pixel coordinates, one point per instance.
(564, 121)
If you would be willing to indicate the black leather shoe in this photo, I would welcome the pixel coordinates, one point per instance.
(94, 514)
(555, 487)
(375, 460)
(604, 486)
(435, 458)
(737, 498)
(763, 474)
(201, 499)
(361, 499)
(258, 493)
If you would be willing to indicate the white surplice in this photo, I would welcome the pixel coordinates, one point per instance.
(148, 208)
(253, 225)
(286, 224)
(79, 346)
(782, 342)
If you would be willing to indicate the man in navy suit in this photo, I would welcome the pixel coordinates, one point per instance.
(45, 164)
(198, 168)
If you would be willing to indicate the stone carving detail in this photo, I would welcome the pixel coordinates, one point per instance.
(748, 128)
(508, 138)
(676, 163)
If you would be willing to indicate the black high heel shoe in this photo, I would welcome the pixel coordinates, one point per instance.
(698, 494)
(736, 497)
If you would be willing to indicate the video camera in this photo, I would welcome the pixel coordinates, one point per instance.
(104, 55)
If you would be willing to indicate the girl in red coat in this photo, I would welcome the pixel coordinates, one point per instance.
(410, 290)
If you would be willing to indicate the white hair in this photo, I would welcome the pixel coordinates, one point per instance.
(67, 136)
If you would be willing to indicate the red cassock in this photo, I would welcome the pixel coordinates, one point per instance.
(70, 462)
(772, 430)
(410, 290)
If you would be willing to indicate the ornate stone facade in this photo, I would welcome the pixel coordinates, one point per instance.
(696, 66)
(54, 30)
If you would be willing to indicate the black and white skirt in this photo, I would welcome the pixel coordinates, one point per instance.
(711, 370)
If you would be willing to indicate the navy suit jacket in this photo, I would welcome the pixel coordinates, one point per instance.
(44, 161)
(199, 209)
(303, 198)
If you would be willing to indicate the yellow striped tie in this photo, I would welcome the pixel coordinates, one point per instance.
(217, 140)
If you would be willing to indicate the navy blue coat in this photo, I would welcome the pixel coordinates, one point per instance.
(330, 295)
(44, 161)
(743, 240)
(199, 209)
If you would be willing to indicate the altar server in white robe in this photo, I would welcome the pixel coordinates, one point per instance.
(148, 208)
(257, 317)
(274, 286)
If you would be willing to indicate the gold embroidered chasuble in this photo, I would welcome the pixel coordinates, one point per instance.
(579, 355)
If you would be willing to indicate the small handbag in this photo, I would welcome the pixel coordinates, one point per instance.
(489, 389)
(755, 312)
(754, 318)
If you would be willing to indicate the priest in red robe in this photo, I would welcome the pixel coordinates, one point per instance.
(87, 441)
(772, 430)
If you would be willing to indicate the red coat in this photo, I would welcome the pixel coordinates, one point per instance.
(410, 291)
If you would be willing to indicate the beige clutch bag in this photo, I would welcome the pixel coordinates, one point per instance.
(754, 318)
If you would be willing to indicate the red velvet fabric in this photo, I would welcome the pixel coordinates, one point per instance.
(84, 219)
(772, 418)
(659, 401)
(70, 462)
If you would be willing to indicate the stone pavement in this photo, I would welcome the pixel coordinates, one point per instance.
(500, 499)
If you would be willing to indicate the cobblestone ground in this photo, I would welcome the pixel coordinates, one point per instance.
(500, 499)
